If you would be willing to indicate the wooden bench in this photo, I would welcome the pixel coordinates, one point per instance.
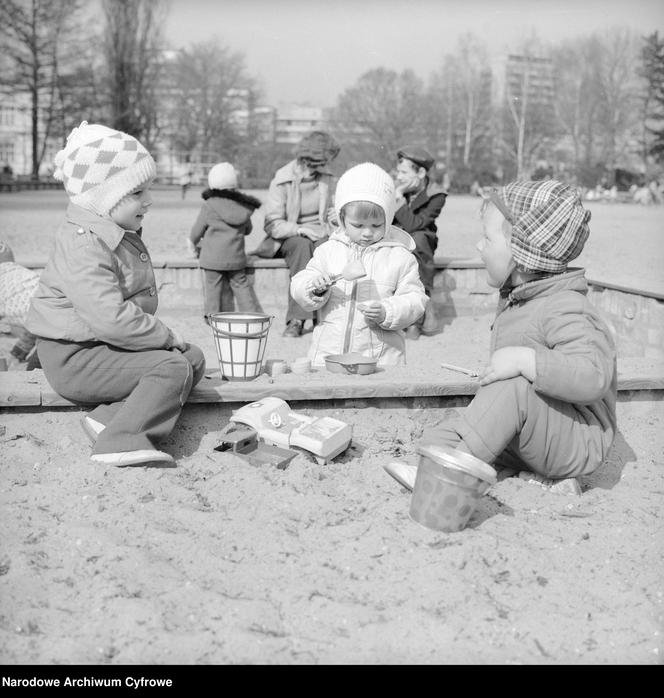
(31, 389)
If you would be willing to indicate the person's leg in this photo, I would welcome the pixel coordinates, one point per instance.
(243, 290)
(425, 247)
(212, 291)
(227, 297)
(151, 388)
(297, 251)
(509, 423)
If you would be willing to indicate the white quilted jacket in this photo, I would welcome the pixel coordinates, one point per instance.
(392, 278)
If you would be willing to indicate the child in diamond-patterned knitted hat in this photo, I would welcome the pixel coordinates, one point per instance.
(546, 403)
(98, 340)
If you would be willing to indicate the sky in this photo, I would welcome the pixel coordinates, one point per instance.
(309, 51)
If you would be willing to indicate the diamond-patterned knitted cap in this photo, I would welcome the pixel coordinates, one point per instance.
(99, 166)
(367, 182)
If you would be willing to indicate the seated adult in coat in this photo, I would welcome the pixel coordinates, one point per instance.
(296, 212)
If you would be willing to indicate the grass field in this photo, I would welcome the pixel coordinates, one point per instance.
(626, 245)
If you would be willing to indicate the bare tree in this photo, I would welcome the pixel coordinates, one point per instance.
(381, 112)
(472, 73)
(597, 100)
(459, 101)
(215, 96)
(578, 95)
(529, 98)
(652, 71)
(133, 50)
(36, 32)
(617, 78)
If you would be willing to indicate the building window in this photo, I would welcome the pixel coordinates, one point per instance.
(6, 151)
(7, 115)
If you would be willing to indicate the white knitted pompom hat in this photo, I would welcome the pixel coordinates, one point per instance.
(99, 166)
(366, 182)
(222, 176)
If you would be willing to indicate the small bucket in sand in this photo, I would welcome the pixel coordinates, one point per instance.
(240, 340)
(448, 486)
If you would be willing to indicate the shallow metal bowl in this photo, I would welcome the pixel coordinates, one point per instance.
(351, 363)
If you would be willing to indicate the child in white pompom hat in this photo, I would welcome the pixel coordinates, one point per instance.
(93, 313)
(217, 238)
(366, 315)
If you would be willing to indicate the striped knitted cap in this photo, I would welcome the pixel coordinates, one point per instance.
(549, 224)
(100, 166)
(366, 182)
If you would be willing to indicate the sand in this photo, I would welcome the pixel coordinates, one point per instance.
(216, 561)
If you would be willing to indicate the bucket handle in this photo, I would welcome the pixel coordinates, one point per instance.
(238, 335)
(251, 335)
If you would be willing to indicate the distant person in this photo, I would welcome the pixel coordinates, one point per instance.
(296, 213)
(419, 203)
(185, 183)
(546, 403)
(655, 191)
(217, 238)
(93, 313)
(367, 315)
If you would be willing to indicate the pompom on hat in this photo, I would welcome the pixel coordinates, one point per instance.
(549, 224)
(99, 166)
(366, 182)
(222, 176)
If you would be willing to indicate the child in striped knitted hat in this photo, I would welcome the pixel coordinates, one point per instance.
(93, 313)
(546, 403)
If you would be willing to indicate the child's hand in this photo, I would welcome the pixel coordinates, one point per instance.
(177, 340)
(192, 249)
(319, 284)
(509, 362)
(311, 233)
(373, 311)
(403, 188)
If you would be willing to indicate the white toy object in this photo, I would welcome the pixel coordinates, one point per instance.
(275, 424)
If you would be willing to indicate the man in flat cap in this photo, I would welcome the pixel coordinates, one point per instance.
(419, 203)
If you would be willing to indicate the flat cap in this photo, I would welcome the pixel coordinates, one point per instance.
(419, 155)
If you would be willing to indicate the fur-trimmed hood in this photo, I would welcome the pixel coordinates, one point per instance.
(239, 197)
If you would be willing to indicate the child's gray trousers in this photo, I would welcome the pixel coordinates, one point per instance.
(509, 424)
(139, 394)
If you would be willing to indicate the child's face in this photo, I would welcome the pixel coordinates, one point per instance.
(128, 213)
(494, 247)
(364, 230)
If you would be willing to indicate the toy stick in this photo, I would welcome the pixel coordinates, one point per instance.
(467, 371)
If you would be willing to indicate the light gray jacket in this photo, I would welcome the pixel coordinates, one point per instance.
(98, 285)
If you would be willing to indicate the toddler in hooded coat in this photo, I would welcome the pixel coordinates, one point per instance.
(366, 315)
(217, 239)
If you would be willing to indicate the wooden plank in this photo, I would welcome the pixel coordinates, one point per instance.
(21, 389)
(17, 389)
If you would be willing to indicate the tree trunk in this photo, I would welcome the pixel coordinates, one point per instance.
(35, 132)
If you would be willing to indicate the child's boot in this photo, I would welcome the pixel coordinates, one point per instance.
(403, 473)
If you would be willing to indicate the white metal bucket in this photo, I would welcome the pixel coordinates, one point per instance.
(240, 340)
